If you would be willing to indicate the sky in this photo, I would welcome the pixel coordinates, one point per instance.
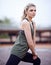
(13, 9)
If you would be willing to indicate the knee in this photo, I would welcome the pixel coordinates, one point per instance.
(38, 61)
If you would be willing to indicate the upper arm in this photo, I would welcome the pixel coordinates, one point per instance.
(34, 26)
(34, 37)
(27, 31)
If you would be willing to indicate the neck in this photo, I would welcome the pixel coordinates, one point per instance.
(30, 19)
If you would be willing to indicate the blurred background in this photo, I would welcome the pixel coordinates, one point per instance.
(13, 9)
(10, 21)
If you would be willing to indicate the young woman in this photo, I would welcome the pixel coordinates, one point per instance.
(25, 40)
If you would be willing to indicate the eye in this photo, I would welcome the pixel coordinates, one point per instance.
(35, 10)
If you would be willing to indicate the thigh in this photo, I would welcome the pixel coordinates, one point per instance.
(13, 60)
(28, 58)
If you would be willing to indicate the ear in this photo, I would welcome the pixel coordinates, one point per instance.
(26, 12)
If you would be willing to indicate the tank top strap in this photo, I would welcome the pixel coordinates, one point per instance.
(32, 22)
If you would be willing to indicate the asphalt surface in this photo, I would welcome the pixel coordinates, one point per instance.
(43, 51)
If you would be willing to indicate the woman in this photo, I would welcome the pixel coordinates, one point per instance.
(25, 40)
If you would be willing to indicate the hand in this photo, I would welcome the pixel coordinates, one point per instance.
(35, 57)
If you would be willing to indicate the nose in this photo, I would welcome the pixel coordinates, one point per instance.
(34, 12)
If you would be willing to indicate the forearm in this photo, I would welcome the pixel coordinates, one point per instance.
(34, 39)
(32, 48)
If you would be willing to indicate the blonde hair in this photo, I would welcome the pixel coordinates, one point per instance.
(26, 9)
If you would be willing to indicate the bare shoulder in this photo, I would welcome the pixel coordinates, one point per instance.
(25, 23)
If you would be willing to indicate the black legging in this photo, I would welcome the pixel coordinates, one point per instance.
(14, 60)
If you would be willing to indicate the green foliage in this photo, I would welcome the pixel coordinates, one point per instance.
(5, 21)
(4, 35)
(1, 21)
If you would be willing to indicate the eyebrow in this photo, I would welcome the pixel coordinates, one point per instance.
(32, 10)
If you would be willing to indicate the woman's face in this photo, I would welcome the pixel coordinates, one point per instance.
(31, 12)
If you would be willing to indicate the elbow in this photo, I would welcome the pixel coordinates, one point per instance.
(31, 44)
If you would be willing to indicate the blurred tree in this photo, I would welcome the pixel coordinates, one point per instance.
(6, 20)
(1, 21)
(2, 24)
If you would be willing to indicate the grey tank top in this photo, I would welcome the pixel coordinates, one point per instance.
(20, 46)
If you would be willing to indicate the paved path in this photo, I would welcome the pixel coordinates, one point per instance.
(43, 51)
